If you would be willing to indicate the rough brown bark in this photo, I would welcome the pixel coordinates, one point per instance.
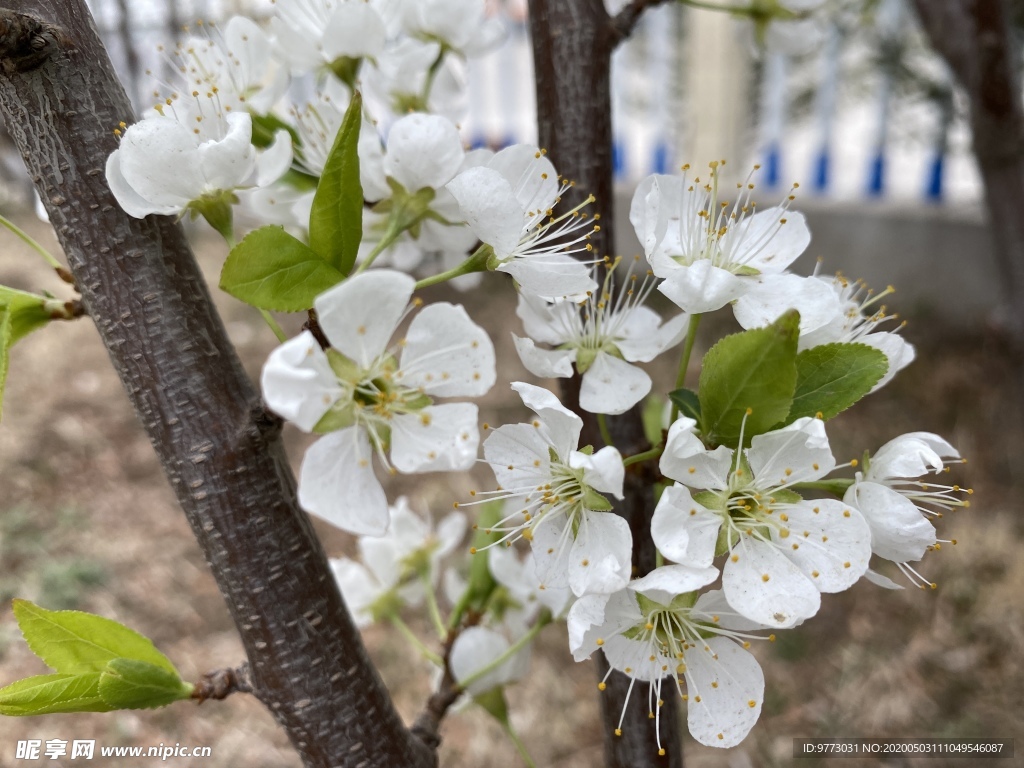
(977, 41)
(572, 45)
(142, 286)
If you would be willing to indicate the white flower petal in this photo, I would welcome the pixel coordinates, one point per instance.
(772, 295)
(298, 383)
(897, 350)
(603, 471)
(798, 452)
(702, 287)
(612, 385)
(553, 276)
(532, 176)
(725, 686)
(783, 600)
(547, 363)
(230, 162)
(132, 202)
(358, 587)
(546, 322)
(829, 541)
(769, 241)
(355, 30)
(518, 455)
(683, 530)
(881, 581)
(446, 354)
(687, 460)
(644, 338)
(560, 426)
(337, 484)
(359, 315)
(714, 608)
(476, 648)
(490, 208)
(439, 438)
(275, 160)
(159, 160)
(911, 455)
(599, 617)
(899, 532)
(666, 583)
(600, 559)
(424, 151)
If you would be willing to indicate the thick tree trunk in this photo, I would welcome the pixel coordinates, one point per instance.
(977, 40)
(223, 456)
(572, 45)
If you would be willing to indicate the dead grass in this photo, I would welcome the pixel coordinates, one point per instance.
(87, 520)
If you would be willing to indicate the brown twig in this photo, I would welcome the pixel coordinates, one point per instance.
(427, 727)
(221, 683)
(625, 21)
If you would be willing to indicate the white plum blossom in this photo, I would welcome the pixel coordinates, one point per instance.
(601, 337)
(399, 83)
(897, 506)
(526, 597)
(171, 164)
(461, 25)
(709, 253)
(392, 569)
(783, 550)
(476, 648)
(313, 34)
(236, 67)
(372, 399)
(509, 204)
(654, 632)
(558, 492)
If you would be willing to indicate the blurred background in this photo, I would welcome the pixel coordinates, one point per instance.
(867, 121)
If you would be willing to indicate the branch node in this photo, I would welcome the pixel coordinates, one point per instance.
(26, 42)
(221, 683)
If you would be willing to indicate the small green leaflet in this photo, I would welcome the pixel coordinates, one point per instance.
(270, 269)
(687, 402)
(134, 684)
(101, 665)
(336, 220)
(832, 377)
(753, 370)
(20, 314)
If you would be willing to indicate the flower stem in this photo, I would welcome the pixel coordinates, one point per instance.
(393, 231)
(475, 263)
(602, 424)
(31, 243)
(520, 746)
(432, 607)
(418, 644)
(277, 329)
(542, 621)
(684, 362)
(460, 609)
(636, 458)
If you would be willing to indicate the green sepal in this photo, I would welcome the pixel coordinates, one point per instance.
(135, 684)
(594, 501)
(53, 694)
(753, 370)
(217, 209)
(585, 357)
(336, 218)
(493, 703)
(265, 128)
(344, 367)
(75, 642)
(336, 419)
(270, 269)
(832, 377)
(687, 402)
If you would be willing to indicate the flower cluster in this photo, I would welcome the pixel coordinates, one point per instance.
(373, 198)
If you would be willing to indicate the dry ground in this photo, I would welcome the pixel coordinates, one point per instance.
(87, 521)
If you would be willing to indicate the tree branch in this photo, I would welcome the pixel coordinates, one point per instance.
(572, 45)
(977, 40)
(624, 22)
(143, 288)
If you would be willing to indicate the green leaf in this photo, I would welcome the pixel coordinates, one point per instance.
(20, 314)
(336, 220)
(753, 370)
(832, 377)
(74, 642)
(134, 684)
(48, 694)
(687, 402)
(272, 270)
